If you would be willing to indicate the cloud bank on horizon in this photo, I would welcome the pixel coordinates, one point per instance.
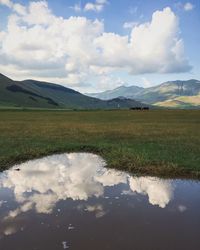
(36, 43)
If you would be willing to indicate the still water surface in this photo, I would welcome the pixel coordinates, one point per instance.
(71, 201)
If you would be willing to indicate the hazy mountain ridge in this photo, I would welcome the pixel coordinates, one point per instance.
(36, 94)
(122, 91)
(181, 93)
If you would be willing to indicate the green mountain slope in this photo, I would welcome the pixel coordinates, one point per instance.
(36, 94)
(181, 102)
(169, 91)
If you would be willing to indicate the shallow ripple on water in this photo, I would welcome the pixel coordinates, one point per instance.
(72, 201)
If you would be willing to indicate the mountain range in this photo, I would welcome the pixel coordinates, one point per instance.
(122, 91)
(174, 94)
(36, 94)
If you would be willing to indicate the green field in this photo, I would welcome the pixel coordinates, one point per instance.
(157, 142)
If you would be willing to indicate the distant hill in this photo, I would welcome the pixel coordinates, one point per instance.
(169, 91)
(181, 102)
(121, 91)
(36, 94)
(174, 94)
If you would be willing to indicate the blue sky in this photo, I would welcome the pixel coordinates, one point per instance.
(94, 45)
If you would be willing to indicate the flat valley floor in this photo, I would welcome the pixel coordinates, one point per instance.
(156, 142)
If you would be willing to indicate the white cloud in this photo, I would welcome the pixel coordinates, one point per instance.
(130, 25)
(97, 6)
(93, 7)
(108, 81)
(156, 46)
(20, 9)
(7, 3)
(37, 44)
(188, 6)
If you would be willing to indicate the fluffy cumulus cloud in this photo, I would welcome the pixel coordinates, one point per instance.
(39, 44)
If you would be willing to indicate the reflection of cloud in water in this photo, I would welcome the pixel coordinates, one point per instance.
(97, 209)
(1, 203)
(41, 183)
(159, 191)
(182, 208)
(111, 177)
(10, 230)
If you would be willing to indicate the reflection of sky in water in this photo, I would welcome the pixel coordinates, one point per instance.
(41, 183)
(76, 189)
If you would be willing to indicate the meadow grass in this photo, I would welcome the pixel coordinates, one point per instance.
(156, 142)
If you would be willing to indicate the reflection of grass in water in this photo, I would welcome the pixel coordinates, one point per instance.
(152, 142)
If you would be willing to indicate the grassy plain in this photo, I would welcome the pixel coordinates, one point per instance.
(156, 142)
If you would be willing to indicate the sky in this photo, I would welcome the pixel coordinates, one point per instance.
(95, 45)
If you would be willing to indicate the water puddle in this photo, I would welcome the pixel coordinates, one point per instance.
(71, 201)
